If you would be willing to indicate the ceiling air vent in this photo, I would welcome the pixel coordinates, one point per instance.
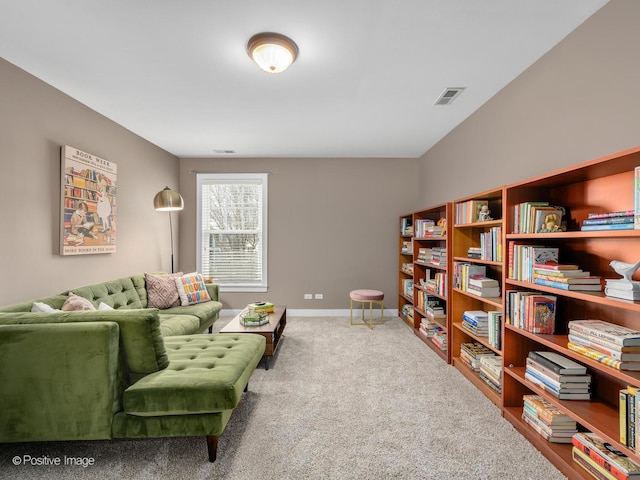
(223, 151)
(448, 96)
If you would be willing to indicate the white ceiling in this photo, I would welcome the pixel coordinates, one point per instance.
(177, 73)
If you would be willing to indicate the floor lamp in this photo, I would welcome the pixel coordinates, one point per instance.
(167, 200)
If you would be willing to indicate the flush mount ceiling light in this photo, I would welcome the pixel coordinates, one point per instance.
(272, 52)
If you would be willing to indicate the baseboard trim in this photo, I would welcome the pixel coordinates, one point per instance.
(291, 312)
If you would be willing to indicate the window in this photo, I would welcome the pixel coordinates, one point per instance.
(232, 230)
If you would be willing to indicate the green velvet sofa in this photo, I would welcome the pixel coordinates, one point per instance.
(119, 373)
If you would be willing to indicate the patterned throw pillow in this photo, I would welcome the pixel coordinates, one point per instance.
(192, 289)
(76, 303)
(162, 291)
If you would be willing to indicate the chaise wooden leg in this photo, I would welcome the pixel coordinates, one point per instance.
(212, 447)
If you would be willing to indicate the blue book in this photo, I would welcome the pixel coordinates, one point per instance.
(613, 226)
(592, 287)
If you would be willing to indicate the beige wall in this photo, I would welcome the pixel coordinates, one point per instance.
(35, 121)
(333, 225)
(579, 102)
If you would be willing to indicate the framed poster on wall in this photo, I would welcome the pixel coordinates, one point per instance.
(88, 210)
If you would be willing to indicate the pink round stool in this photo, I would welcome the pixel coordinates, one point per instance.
(367, 296)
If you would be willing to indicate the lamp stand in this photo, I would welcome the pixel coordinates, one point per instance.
(171, 231)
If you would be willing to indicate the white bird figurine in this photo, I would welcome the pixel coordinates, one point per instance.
(625, 269)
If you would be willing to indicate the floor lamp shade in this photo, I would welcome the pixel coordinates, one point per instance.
(167, 200)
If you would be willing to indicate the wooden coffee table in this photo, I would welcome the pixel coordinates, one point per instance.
(272, 331)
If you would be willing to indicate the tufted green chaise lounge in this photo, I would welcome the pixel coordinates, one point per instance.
(113, 374)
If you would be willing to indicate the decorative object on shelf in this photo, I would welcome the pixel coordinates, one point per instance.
(251, 317)
(168, 200)
(484, 214)
(442, 223)
(88, 193)
(624, 287)
(272, 52)
(625, 269)
(551, 223)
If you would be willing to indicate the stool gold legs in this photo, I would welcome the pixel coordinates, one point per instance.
(363, 322)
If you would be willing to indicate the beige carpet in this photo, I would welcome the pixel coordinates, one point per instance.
(338, 402)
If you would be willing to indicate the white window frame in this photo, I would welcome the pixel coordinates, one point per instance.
(207, 178)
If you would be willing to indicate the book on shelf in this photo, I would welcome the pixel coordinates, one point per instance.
(608, 220)
(617, 334)
(580, 287)
(472, 352)
(559, 381)
(484, 291)
(495, 328)
(621, 213)
(621, 284)
(531, 311)
(491, 371)
(556, 377)
(564, 393)
(611, 226)
(588, 280)
(546, 432)
(590, 465)
(607, 456)
(631, 417)
(577, 273)
(624, 354)
(557, 363)
(622, 294)
(554, 265)
(602, 358)
(547, 412)
(463, 271)
(407, 246)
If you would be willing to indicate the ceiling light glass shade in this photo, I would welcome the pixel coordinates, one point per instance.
(167, 200)
(272, 52)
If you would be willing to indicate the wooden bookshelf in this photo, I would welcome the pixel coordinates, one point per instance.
(405, 258)
(434, 266)
(472, 232)
(598, 186)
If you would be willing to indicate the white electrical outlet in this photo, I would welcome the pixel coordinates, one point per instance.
(319, 296)
(308, 296)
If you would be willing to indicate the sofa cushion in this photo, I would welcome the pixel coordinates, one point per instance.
(204, 311)
(76, 303)
(206, 373)
(162, 291)
(178, 324)
(140, 334)
(55, 301)
(192, 289)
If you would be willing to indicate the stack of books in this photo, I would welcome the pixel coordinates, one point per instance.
(432, 307)
(596, 455)
(463, 271)
(620, 288)
(608, 343)
(531, 217)
(476, 322)
(566, 277)
(424, 255)
(472, 352)
(531, 311)
(407, 311)
(523, 258)
(439, 338)
(495, 328)
(550, 422)
(474, 252)
(491, 244)
(623, 220)
(491, 371)
(439, 256)
(560, 376)
(407, 246)
(483, 286)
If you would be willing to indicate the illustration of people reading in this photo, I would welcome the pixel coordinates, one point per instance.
(80, 226)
